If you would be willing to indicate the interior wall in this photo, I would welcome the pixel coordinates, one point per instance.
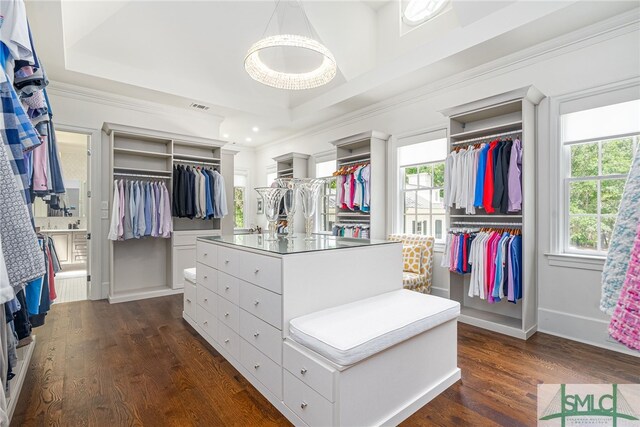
(568, 297)
(86, 111)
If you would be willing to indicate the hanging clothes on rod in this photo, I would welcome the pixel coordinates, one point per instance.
(353, 185)
(198, 192)
(485, 176)
(140, 209)
(360, 231)
(493, 259)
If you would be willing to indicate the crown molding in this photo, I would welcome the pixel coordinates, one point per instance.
(82, 93)
(597, 33)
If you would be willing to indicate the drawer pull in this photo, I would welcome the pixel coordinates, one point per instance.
(303, 405)
(226, 261)
(256, 366)
(256, 334)
(206, 299)
(188, 300)
(226, 315)
(205, 254)
(256, 302)
(206, 323)
(226, 288)
(226, 341)
(303, 371)
(257, 271)
(205, 277)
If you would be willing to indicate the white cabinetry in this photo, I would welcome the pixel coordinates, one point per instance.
(245, 298)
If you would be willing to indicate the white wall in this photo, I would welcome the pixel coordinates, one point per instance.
(83, 110)
(568, 297)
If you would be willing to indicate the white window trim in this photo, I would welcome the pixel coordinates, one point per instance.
(394, 212)
(576, 101)
(245, 173)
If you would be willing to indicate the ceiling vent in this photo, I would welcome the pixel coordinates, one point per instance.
(199, 106)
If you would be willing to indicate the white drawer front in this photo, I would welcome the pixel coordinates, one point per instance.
(261, 335)
(228, 260)
(263, 368)
(207, 253)
(312, 408)
(262, 270)
(207, 322)
(207, 277)
(313, 373)
(229, 340)
(229, 314)
(261, 303)
(207, 300)
(229, 287)
(190, 300)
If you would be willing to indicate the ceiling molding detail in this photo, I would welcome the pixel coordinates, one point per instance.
(605, 30)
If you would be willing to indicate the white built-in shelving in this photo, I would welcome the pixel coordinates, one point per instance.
(513, 112)
(293, 165)
(152, 267)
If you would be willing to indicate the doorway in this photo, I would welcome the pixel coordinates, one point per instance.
(66, 218)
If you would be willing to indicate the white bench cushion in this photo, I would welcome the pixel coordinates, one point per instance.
(190, 274)
(349, 333)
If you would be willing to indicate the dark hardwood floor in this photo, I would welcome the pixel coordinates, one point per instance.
(139, 363)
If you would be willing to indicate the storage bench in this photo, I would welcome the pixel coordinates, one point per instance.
(371, 362)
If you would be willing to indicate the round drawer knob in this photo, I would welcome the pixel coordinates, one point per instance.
(256, 302)
(226, 261)
(205, 276)
(303, 405)
(188, 300)
(256, 334)
(256, 366)
(226, 315)
(206, 299)
(303, 371)
(205, 254)
(226, 288)
(257, 271)
(206, 323)
(226, 341)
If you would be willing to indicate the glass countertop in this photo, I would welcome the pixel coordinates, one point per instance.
(284, 246)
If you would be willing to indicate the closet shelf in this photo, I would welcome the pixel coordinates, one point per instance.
(487, 130)
(140, 153)
(471, 216)
(285, 170)
(20, 371)
(150, 171)
(353, 157)
(177, 157)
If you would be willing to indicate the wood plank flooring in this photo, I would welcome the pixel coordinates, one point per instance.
(140, 364)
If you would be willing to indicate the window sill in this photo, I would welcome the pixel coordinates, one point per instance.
(584, 262)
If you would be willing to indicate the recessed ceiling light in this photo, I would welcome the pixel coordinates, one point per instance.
(255, 128)
(247, 139)
(419, 11)
(225, 135)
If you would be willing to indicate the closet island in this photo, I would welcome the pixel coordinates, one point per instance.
(248, 289)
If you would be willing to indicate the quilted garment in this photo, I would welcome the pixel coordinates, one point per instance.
(426, 264)
(22, 255)
(625, 321)
(622, 238)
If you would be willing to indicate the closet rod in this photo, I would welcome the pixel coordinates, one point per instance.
(480, 138)
(485, 224)
(352, 222)
(196, 162)
(137, 175)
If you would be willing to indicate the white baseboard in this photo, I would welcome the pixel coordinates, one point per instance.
(583, 329)
(440, 292)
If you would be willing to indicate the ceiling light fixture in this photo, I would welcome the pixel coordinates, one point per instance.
(255, 129)
(248, 139)
(262, 73)
(418, 11)
(225, 135)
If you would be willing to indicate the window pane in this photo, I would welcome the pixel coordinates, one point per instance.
(583, 197)
(425, 176)
(410, 178)
(584, 160)
(424, 225)
(238, 202)
(616, 119)
(438, 226)
(409, 202)
(437, 205)
(610, 195)
(423, 152)
(423, 199)
(606, 229)
(438, 175)
(617, 156)
(583, 232)
(409, 224)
